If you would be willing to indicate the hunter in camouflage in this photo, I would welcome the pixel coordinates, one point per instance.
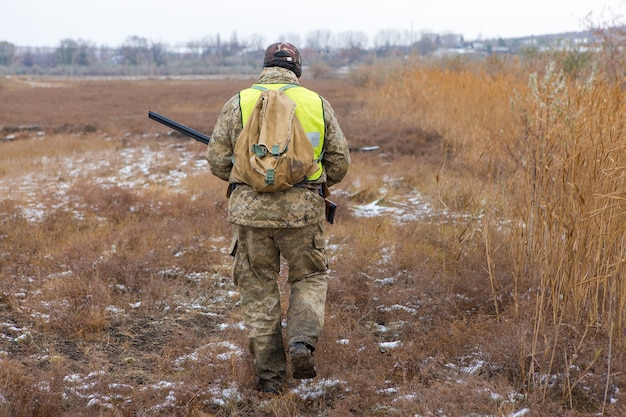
(290, 223)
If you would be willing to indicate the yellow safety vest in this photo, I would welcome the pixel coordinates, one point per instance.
(309, 111)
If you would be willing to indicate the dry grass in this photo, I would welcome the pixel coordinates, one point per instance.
(552, 162)
(574, 220)
(115, 289)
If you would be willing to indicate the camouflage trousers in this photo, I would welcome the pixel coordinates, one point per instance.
(257, 253)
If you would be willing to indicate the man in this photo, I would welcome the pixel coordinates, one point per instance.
(290, 223)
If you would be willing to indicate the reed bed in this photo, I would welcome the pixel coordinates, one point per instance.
(542, 161)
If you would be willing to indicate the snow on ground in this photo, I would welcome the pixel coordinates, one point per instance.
(138, 168)
(404, 209)
(134, 168)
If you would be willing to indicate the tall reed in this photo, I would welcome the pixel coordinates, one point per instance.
(570, 218)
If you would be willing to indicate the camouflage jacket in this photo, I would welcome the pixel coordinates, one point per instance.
(294, 207)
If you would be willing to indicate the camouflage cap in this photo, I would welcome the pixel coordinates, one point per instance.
(284, 55)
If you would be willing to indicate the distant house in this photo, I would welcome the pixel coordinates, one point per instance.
(451, 40)
(436, 43)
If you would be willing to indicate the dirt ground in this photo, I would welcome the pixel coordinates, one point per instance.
(122, 105)
(93, 109)
(406, 337)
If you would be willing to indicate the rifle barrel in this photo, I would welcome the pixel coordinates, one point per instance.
(200, 137)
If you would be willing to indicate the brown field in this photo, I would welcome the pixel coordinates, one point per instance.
(115, 291)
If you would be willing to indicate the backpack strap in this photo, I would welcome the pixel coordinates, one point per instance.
(321, 155)
(288, 86)
(283, 88)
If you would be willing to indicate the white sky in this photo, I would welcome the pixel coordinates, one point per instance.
(111, 22)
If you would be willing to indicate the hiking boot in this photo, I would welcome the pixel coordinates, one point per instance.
(302, 361)
(270, 387)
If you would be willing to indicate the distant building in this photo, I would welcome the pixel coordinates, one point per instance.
(451, 40)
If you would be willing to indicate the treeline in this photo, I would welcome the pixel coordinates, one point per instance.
(322, 52)
(137, 55)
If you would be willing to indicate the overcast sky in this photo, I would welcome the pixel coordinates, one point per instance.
(111, 22)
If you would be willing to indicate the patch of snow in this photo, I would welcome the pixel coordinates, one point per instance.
(403, 209)
(224, 396)
(310, 389)
(390, 345)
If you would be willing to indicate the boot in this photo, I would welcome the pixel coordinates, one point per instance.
(302, 362)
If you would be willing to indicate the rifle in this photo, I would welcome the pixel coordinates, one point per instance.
(201, 137)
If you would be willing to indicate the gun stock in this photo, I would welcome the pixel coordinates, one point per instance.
(330, 210)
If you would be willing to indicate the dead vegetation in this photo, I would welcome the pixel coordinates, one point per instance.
(115, 289)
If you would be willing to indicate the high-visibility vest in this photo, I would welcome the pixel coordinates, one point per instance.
(309, 111)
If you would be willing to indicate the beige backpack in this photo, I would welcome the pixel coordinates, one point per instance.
(273, 152)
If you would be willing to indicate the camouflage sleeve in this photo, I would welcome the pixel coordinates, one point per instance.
(336, 159)
(227, 128)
